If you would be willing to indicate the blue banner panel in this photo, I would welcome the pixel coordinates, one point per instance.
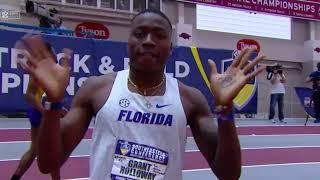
(97, 57)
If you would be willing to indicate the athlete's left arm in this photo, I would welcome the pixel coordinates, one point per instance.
(219, 144)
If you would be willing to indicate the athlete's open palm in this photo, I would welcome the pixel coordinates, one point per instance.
(41, 64)
(227, 85)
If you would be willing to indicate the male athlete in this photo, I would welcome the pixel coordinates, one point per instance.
(140, 114)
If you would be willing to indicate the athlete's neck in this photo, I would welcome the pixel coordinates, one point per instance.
(146, 80)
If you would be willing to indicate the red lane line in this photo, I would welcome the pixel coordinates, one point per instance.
(77, 167)
(278, 130)
(7, 135)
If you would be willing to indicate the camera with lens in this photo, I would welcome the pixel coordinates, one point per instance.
(46, 15)
(273, 70)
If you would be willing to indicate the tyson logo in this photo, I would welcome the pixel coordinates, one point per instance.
(248, 43)
(92, 30)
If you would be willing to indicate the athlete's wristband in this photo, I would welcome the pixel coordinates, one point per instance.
(47, 105)
(225, 117)
(224, 113)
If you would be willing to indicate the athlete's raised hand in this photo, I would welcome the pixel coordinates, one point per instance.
(227, 85)
(41, 64)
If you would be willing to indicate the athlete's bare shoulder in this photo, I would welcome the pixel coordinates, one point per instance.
(97, 89)
(100, 81)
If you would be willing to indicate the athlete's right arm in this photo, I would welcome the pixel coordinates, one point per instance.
(58, 138)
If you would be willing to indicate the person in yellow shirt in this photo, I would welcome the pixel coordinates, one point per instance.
(33, 97)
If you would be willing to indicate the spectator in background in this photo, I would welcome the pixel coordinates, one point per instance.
(53, 23)
(314, 77)
(154, 4)
(44, 22)
(123, 5)
(59, 25)
(277, 95)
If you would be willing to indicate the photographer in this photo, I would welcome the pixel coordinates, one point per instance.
(314, 77)
(277, 79)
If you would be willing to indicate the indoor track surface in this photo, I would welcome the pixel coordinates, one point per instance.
(269, 152)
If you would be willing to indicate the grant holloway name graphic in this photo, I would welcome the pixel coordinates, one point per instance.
(133, 160)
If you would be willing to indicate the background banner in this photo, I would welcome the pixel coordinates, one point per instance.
(97, 57)
(305, 97)
(309, 9)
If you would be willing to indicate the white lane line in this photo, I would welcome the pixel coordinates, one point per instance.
(263, 165)
(238, 126)
(267, 135)
(278, 125)
(15, 128)
(194, 150)
(192, 138)
(23, 128)
(252, 166)
(267, 147)
(284, 164)
(13, 142)
(280, 147)
(271, 135)
(192, 170)
(197, 150)
(75, 156)
(261, 147)
(291, 125)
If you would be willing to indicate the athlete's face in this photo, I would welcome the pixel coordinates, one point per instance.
(149, 43)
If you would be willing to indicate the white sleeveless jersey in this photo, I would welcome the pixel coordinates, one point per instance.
(134, 141)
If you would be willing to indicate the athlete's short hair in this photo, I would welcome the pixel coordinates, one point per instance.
(155, 11)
